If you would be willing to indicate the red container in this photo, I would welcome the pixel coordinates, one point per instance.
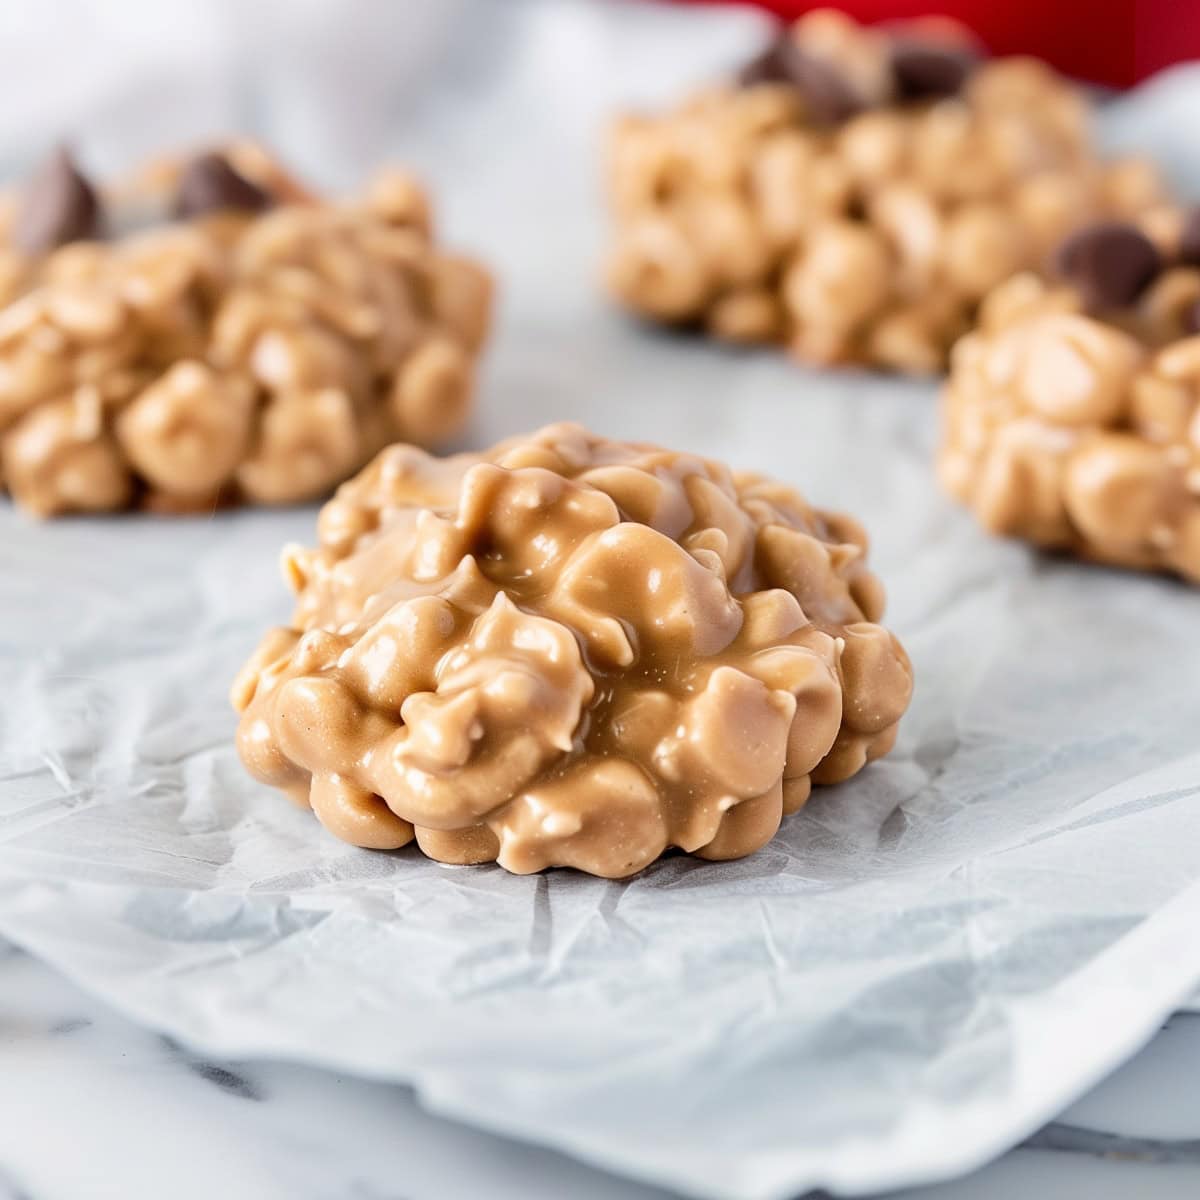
(1116, 42)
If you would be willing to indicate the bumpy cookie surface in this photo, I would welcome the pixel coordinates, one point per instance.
(247, 342)
(569, 651)
(856, 193)
(1071, 417)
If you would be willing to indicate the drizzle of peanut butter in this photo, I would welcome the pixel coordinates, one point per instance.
(569, 651)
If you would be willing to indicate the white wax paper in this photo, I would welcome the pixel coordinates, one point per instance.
(925, 964)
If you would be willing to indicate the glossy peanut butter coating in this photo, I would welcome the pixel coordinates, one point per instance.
(259, 354)
(824, 205)
(569, 651)
(1080, 432)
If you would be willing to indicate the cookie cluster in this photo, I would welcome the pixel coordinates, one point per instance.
(856, 192)
(1071, 417)
(246, 342)
(568, 651)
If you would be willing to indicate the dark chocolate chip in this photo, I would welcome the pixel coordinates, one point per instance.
(57, 206)
(209, 184)
(828, 96)
(926, 71)
(1110, 263)
(1191, 318)
(1189, 242)
(771, 64)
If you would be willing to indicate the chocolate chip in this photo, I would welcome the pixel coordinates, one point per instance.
(1189, 242)
(1110, 263)
(209, 184)
(771, 65)
(1191, 318)
(828, 96)
(58, 206)
(923, 70)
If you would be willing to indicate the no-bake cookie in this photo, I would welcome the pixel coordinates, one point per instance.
(569, 651)
(856, 192)
(214, 333)
(1071, 417)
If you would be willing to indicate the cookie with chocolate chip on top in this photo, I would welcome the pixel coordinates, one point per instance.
(213, 332)
(855, 191)
(1071, 417)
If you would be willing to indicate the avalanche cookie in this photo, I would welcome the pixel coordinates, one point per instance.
(856, 192)
(1071, 417)
(213, 333)
(569, 651)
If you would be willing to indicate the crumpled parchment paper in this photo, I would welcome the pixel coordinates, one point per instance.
(929, 960)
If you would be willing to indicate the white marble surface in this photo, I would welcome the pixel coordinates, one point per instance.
(93, 1108)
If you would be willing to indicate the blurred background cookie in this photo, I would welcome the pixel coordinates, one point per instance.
(1072, 415)
(856, 191)
(212, 332)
